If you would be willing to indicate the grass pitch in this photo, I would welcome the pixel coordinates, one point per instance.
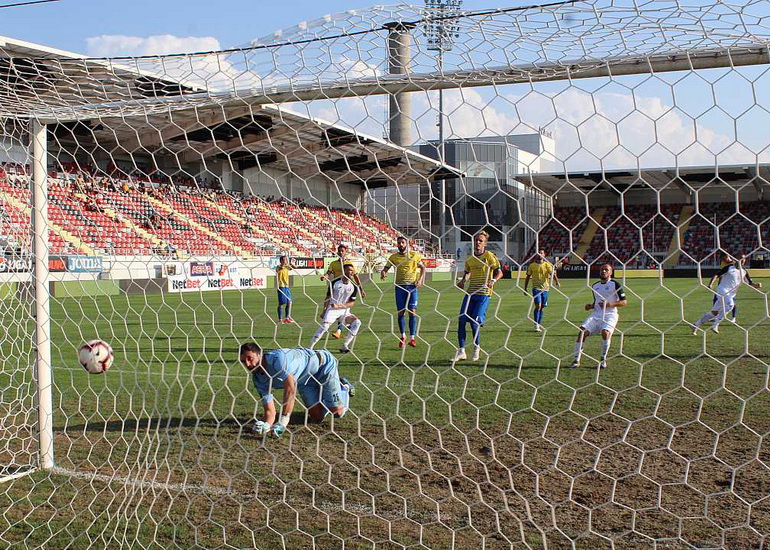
(669, 444)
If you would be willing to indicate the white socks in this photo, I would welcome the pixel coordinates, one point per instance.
(605, 349)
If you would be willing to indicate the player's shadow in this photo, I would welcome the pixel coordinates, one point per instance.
(172, 423)
(144, 424)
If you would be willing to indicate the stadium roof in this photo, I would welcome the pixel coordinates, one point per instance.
(38, 78)
(684, 179)
(268, 136)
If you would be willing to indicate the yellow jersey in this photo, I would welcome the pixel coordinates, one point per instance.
(336, 268)
(541, 274)
(481, 269)
(283, 275)
(406, 267)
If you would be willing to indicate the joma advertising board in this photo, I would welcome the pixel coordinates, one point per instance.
(209, 276)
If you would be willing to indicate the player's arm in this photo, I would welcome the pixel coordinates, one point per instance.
(497, 274)
(711, 281)
(384, 271)
(556, 280)
(463, 279)
(269, 416)
(289, 398)
(358, 284)
(621, 301)
(748, 281)
(526, 280)
(421, 276)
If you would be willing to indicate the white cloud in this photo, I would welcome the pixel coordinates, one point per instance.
(116, 45)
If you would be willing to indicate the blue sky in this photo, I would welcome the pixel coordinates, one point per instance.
(68, 24)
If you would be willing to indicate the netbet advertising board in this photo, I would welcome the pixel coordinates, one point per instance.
(208, 276)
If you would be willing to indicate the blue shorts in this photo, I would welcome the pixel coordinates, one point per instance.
(406, 297)
(284, 295)
(474, 308)
(326, 388)
(540, 297)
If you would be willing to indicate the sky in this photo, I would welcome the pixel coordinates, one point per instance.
(69, 24)
(670, 119)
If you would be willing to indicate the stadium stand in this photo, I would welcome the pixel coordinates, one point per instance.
(126, 216)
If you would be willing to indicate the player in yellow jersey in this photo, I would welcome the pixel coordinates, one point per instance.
(541, 272)
(482, 271)
(284, 291)
(335, 271)
(407, 264)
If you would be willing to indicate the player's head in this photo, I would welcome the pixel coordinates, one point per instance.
(250, 355)
(284, 260)
(348, 270)
(480, 242)
(606, 271)
(402, 244)
(342, 250)
(726, 258)
(540, 256)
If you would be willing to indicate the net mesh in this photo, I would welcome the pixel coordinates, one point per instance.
(601, 131)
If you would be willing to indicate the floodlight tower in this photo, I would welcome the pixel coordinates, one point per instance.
(441, 30)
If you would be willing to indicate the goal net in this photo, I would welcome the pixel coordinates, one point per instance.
(582, 188)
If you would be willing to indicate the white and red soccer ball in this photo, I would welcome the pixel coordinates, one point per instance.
(96, 356)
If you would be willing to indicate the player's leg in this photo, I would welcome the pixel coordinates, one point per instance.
(537, 314)
(725, 305)
(335, 396)
(584, 331)
(461, 334)
(287, 294)
(705, 318)
(401, 300)
(354, 324)
(606, 338)
(412, 308)
(280, 306)
(478, 318)
(329, 317)
(735, 311)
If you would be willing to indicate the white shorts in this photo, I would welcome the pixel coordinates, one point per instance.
(332, 315)
(724, 304)
(595, 324)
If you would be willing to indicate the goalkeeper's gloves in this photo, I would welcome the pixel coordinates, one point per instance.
(280, 428)
(260, 428)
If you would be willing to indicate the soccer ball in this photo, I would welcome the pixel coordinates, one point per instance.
(96, 356)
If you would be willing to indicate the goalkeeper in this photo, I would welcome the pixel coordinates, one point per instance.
(313, 374)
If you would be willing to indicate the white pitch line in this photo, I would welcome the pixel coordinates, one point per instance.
(145, 484)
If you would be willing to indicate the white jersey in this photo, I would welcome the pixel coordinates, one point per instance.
(730, 279)
(611, 291)
(341, 292)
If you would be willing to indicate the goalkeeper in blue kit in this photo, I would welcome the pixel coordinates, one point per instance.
(313, 374)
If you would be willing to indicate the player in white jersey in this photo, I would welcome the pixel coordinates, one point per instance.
(608, 297)
(731, 277)
(340, 298)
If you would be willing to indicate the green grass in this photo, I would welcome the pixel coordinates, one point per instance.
(154, 453)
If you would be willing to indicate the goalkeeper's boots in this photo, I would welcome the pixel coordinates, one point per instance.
(602, 364)
(344, 349)
(574, 365)
(336, 334)
(413, 342)
(401, 342)
(476, 353)
(460, 355)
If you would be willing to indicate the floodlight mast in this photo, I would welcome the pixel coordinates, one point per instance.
(441, 30)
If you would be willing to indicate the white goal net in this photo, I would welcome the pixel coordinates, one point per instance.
(577, 192)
